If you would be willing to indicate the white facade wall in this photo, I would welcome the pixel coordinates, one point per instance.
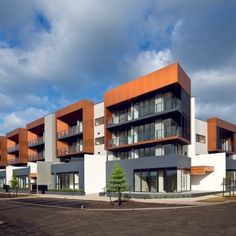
(201, 128)
(99, 129)
(9, 172)
(210, 181)
(50, 138)
(94, 173)
(192, 147)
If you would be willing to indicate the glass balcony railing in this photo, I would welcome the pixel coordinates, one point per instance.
(69, 150)
(73, 130)
(227, 148)
(158, 134)
(36, 157)
(167, 105)
(36, 142)
(14, 148)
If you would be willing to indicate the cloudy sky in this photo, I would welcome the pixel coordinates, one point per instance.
(56, 52)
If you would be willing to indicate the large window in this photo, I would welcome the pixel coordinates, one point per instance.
(145, 152)
(2, 181)
(170, 180)
(67, 180)
(23, 181)
(146, 181)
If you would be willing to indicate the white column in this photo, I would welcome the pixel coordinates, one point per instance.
(50, 138)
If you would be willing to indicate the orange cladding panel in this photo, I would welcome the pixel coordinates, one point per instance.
(212, 124)
(87, 108)
(168, 75)
(35, 123)
(3, 151)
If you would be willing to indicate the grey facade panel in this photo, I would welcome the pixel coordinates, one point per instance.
(230, 164)
(22, 171)
(73, 166)
(3, 173)
(129, 165)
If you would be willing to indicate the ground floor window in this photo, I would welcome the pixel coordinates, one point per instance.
(23, 181)
(2, 181)
(67, 180)
(146, 181)
(161, 180)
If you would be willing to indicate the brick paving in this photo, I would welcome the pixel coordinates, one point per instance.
(20, 219)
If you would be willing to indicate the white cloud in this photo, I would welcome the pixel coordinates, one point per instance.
(18, 119)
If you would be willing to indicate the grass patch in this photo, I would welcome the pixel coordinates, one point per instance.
(219, 199)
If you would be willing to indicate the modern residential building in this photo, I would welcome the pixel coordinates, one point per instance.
(148, 128)
(75, 149)
(147, 125)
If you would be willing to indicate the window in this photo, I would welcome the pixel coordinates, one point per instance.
(99, 141)
(99, 121)
(67, 181)
(2, 181)
(200, 138)
(23, 181)
(146, 181)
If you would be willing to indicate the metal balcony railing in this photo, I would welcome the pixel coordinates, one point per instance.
(13, 161)
(73, 130)
(69, 150)
(36, 157)
(36, 142)
(140, 137)
(167, 105)
(13, 148)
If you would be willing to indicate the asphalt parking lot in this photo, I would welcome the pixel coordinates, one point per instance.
(21, 219)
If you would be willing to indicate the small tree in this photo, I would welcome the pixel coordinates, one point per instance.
(14, 184)
(117, 183)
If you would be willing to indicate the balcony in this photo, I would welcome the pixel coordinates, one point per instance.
(36, 142)
(72, 131)
(36, 157)
(12, 149)
(150, 111)
(69, 150)
(13, 161)
(142, 137)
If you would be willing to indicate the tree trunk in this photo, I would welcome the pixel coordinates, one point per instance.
(119, 196)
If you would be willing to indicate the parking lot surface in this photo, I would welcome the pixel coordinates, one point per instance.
(21, 219)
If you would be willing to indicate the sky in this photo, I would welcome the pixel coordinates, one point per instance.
(56, 52)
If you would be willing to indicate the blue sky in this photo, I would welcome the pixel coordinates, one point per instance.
(55, 52)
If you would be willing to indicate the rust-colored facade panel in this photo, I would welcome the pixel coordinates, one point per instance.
(171, 74)
(88, 128)
(214, 124)
(17, 138)
(84, 109)
(35, 123)
(201, 170)
(3, 151)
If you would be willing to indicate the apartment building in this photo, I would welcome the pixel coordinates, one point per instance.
(147, 125)
(148, 128)
(75, 145)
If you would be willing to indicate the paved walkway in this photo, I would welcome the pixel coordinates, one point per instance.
(96, 197)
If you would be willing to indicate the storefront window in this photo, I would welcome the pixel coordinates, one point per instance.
(146, 181)
(170, 181)
(2, 181)
(67, 181)
(23, 181)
